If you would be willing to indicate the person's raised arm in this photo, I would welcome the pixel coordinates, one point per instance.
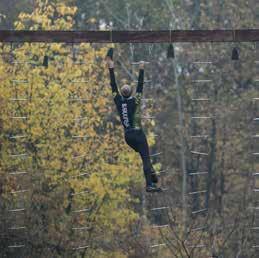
(110, 65)
(139, 90)
(140, 78)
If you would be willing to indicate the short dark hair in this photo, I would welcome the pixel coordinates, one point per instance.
(126, 90)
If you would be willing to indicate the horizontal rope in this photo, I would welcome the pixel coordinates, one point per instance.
(199, 153)
(17, 228)
(19, 191)
(146, 81)
(18, 173)
(79, 211)
(80, 118)
(77, 99)
(16, 246)
(162, 171)
(18, 155)
(199, 211)
(202, 62)
(80, 81)
(20, 81)
(18, 99)
(198, 173)
(81, 228)
(79, 63)
(198, 229)
(81, 247)
(157, 245)
(159, 208)
(148, 117)
(196, 246)
(201, 117)
(160, 226)
(199, 136)
(17, 210)
(156, 154)
(18, 136)
(80, 193)
(22, 62)
(198, 192)
(201, 81)
(79, 175)
(200, 99)
(79, 156)
(137, 63)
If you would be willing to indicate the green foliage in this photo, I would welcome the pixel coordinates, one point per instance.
(73, 158)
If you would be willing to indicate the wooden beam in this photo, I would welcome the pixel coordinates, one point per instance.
(250, 35)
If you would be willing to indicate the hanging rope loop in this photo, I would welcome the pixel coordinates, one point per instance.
(170, 50)
(111, 39)
(235, 51)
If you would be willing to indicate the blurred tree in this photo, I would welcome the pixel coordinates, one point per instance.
(11, 9)
(226, 231)
(61, 118)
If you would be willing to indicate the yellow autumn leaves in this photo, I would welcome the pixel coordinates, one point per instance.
(70, 140)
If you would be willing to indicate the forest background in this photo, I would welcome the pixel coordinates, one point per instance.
(71, 187)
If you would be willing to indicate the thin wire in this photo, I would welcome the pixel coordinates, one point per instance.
(234, 35)
(111, 39)
(150, 57)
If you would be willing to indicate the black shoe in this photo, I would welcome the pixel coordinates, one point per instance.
(110, 53)
(153, 189)
(154, 177)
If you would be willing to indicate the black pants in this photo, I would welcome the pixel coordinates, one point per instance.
(137, 140)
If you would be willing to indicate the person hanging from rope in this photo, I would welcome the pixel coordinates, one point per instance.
(129, 109)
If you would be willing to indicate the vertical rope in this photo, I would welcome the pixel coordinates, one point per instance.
(111, 39)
